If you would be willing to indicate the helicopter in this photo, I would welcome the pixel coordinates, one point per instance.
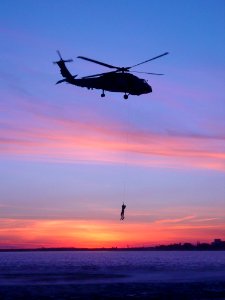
(120, 79)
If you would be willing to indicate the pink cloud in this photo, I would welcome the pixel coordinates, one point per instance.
(38, 136)
(75, 141)
(176, 220)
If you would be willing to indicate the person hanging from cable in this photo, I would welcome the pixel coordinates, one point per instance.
(122, 211)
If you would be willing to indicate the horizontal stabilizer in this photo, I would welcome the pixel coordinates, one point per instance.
(60, 81)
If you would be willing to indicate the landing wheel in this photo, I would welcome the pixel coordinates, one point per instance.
(125, 96)
(103, 94)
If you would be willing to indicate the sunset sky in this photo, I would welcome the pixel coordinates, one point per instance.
(68, 158)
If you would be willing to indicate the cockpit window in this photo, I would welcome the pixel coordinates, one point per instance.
(143, 80)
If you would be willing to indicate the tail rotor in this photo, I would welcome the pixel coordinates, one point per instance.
(68, 77)
(61, 59)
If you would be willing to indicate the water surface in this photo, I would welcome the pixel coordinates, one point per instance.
(68, 267)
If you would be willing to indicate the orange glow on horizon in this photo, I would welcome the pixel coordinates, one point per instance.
(81, 233)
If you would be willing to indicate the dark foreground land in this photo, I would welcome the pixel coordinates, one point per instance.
(167, 291)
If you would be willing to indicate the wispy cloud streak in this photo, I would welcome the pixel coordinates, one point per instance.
(56, 138)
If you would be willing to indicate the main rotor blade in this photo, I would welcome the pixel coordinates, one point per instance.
(98, 62)
(149, 60)
(96, 75)
(146, 73)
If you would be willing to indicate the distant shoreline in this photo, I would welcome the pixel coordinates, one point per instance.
(100, 249)
(174, 247)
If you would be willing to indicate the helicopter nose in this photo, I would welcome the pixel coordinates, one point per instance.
(148, 89)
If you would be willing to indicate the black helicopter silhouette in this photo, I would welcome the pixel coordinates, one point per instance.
(120, 80)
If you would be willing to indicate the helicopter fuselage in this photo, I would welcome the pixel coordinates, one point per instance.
(114, 82)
